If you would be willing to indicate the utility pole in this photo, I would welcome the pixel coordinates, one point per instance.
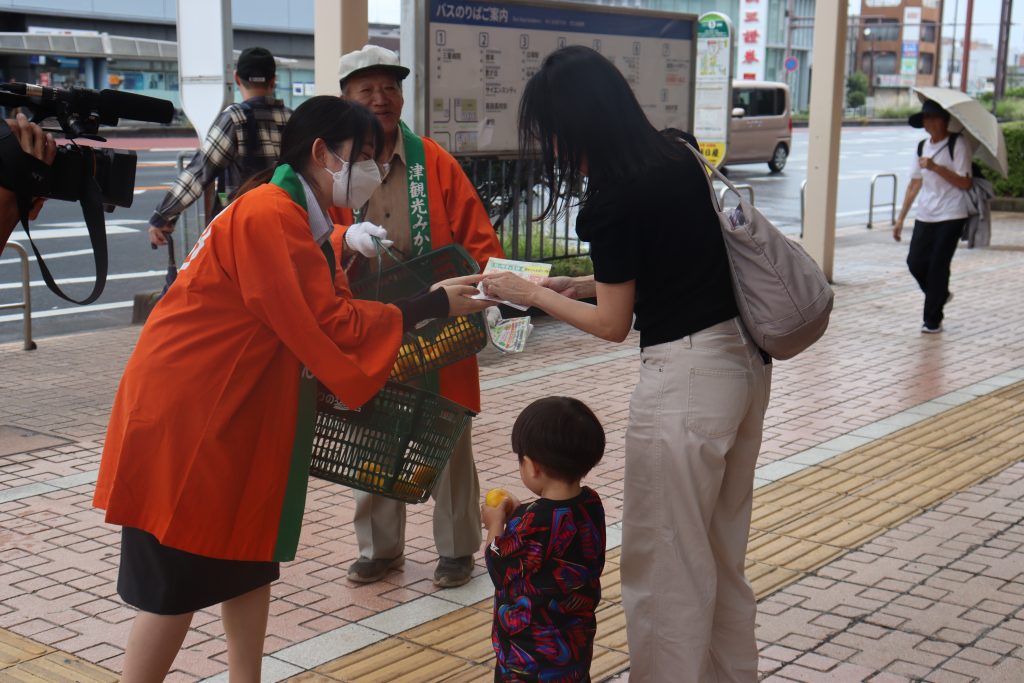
(967, 45)
(1001, 52)
(789, 40)
(952, 45)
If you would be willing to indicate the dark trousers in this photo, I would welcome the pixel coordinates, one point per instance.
(931, 251)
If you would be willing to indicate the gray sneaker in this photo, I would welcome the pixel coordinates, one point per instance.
(365, 570)
(453, 571)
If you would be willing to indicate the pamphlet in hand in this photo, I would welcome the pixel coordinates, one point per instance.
(534, 272)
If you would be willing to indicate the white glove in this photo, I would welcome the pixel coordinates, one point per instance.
(359, 237)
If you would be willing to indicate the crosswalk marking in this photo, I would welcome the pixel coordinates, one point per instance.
(60, 233)
(89, 278)
(69, 311)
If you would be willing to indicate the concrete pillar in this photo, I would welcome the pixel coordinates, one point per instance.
(826, 113)
(339, 26)
(85, 69)
(100, 73)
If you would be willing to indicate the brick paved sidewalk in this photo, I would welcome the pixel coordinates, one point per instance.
(872, 375)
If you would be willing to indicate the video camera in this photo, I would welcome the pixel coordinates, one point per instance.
(98, 178)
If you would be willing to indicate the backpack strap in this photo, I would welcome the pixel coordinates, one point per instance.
(950, 145)
(248, 162)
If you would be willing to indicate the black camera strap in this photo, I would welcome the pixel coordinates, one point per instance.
(92, 210)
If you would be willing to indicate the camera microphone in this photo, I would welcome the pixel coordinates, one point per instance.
(114, 104)
(108, 105)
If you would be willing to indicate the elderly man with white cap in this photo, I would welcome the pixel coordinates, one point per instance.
(425, 202)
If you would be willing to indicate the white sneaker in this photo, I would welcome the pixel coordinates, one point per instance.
(930, 330)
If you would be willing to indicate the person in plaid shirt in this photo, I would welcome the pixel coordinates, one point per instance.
(245, 139)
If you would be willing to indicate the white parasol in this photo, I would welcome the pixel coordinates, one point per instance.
(969, 117)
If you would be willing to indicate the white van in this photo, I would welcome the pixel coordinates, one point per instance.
(761, 128)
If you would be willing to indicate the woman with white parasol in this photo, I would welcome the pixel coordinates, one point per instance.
(940, 178)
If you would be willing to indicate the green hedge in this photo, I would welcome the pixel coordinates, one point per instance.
(897, 112)
(1010, 109)
(574, 267)
(1012, 186)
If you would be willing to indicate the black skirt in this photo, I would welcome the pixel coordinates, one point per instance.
(162, 580)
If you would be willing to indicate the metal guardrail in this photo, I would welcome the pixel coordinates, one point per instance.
(871, 198)
(185, 239)
(26, 293)
(749, 189)
(514, 194)
(803, 192)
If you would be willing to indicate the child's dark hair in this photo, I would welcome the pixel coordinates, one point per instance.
(560, 434)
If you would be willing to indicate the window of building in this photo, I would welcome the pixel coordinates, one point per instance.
(925, 63)
(881, 29)
(928, 31)
(884, 63)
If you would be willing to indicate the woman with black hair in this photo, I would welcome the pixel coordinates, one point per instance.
(206, 460)
(697, 412)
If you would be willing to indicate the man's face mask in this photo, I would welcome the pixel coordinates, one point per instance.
(355, 183)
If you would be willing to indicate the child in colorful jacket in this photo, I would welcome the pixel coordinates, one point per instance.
(546, 557)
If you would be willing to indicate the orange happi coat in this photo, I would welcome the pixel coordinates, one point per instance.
(200, 439)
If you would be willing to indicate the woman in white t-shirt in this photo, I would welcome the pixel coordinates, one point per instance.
(941, 175)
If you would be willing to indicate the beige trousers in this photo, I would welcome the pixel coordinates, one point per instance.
(694, 433)
(380, 521)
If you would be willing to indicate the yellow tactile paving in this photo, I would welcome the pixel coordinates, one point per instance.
(799, 524)
(15, 649)
(57, 667)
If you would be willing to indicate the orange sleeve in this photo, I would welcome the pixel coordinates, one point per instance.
(348, 345)
(471, 226)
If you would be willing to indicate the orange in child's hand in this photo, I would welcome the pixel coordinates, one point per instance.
(495, 497)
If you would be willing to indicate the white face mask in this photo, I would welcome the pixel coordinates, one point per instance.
(355, 183)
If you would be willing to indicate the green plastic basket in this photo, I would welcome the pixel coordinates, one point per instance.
(394, 446)
(439, 343)
(409, 278)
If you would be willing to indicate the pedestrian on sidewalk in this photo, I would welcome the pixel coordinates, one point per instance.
(545, 557)
(939, 178)
(696, 415)
(425, 202)
(206, 460)
(244, 140)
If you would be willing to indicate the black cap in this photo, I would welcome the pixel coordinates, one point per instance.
(256, 65)
(929, 107)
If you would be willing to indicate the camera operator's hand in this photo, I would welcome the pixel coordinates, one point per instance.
(33, 140)
(42, 146)
(157, 236)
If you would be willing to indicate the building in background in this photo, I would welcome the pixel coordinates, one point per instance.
(897, 47)
(130, 45)
(981, 71)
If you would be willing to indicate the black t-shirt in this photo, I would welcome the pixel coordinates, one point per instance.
(661, 230)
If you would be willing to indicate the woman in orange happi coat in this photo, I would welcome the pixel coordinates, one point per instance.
(207, 452)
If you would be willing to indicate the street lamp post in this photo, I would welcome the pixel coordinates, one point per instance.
(871, 64)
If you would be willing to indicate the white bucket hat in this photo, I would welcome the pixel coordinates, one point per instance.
(370, 57)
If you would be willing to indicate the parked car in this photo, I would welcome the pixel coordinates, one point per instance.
(761, 128)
